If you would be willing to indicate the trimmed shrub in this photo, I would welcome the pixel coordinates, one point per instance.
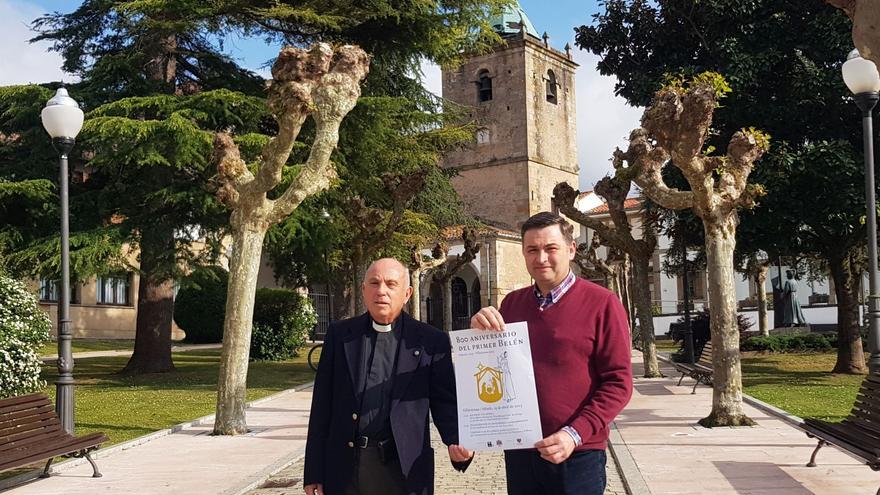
(200, 305)
(701, 332)
(282, 321)
(799, 342)
(24, 328)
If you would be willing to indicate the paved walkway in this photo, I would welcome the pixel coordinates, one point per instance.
(659, 443)
(127, 352)
(485, 476)
(674, 455)
(192, 461)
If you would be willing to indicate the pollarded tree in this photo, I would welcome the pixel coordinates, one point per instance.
(586, 258)
(783, 59)
(421, 265)
(674, 131)
(865, 15)
(448, 270)
(614, 190)
(390, 195)
(321, 83)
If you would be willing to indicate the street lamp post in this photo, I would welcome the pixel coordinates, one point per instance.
(862, 78)
(63, 119)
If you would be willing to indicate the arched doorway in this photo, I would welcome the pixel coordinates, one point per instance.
(476, 297)
(460, 306)
(435, 305)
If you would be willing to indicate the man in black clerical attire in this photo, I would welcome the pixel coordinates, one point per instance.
(379, 375)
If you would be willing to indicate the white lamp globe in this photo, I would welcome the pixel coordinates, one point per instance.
(62, 117)
(860, 75)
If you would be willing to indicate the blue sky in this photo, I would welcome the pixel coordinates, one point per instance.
(556, 17)
(603, 120)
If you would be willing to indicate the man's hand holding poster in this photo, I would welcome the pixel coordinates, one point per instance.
(495, 382)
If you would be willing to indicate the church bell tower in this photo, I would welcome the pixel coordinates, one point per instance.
(523, 96)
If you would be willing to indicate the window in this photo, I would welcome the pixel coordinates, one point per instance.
(484, 86)
(483, 136)
(551, 87)
(114, 290)
(50, 291)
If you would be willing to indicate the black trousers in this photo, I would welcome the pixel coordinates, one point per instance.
(373, 477)
(581, 474)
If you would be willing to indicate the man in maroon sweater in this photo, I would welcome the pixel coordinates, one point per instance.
(580, 349)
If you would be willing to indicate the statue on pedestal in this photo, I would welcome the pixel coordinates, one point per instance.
(792, 314)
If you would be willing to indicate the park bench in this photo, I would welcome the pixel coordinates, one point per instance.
(31, 432)
(859, 433)
(700, 371)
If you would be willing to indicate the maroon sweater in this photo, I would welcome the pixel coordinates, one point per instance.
(581, 353)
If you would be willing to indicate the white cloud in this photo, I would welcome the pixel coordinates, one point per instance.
(22, 62)
(432, 79)
(604, 120)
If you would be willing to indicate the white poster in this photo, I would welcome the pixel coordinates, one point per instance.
(495, 382)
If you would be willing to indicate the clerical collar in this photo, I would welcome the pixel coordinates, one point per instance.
(382, 328)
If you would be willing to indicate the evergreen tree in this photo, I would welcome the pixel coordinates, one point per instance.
(164, 51)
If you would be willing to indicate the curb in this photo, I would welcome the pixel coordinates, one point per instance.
(633, 482)
(102, 453)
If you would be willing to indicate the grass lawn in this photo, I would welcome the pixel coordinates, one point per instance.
(125, 407)
(88, 345)
(801, 384)
(666, 345)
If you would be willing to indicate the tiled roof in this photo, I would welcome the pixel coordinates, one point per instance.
(628, 204)
(455, 231)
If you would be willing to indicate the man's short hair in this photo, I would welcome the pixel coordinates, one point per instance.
(547, 219)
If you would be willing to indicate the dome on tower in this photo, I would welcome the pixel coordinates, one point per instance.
(511, 19)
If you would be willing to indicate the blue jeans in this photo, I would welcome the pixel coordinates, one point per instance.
(581, 474)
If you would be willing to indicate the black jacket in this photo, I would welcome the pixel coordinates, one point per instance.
(423, 380)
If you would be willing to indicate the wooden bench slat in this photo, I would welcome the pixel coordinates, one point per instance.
(31, 432)
(24, 399)
(58, 435)
(35, 455)
(39, 421)
(848, 437)
(24, 407)
(24, 412)
(12, 434)
(859, 432)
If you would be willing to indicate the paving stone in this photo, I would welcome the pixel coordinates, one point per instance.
(485, 476)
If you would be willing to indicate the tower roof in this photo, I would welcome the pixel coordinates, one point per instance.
(510, 20)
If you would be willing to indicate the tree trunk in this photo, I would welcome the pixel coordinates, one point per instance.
(416, 300)
(642, 300)
(850, 355)
(244, 265)
(447, 304)
(155, 307)
(727, 406)
(357, 278)
(760, 281)
(623, 285)
(614, 285)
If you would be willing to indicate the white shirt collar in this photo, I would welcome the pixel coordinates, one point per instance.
(382, 328)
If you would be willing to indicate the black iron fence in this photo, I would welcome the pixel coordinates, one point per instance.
(321, 303)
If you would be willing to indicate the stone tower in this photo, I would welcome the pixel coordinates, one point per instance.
(523, 95)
